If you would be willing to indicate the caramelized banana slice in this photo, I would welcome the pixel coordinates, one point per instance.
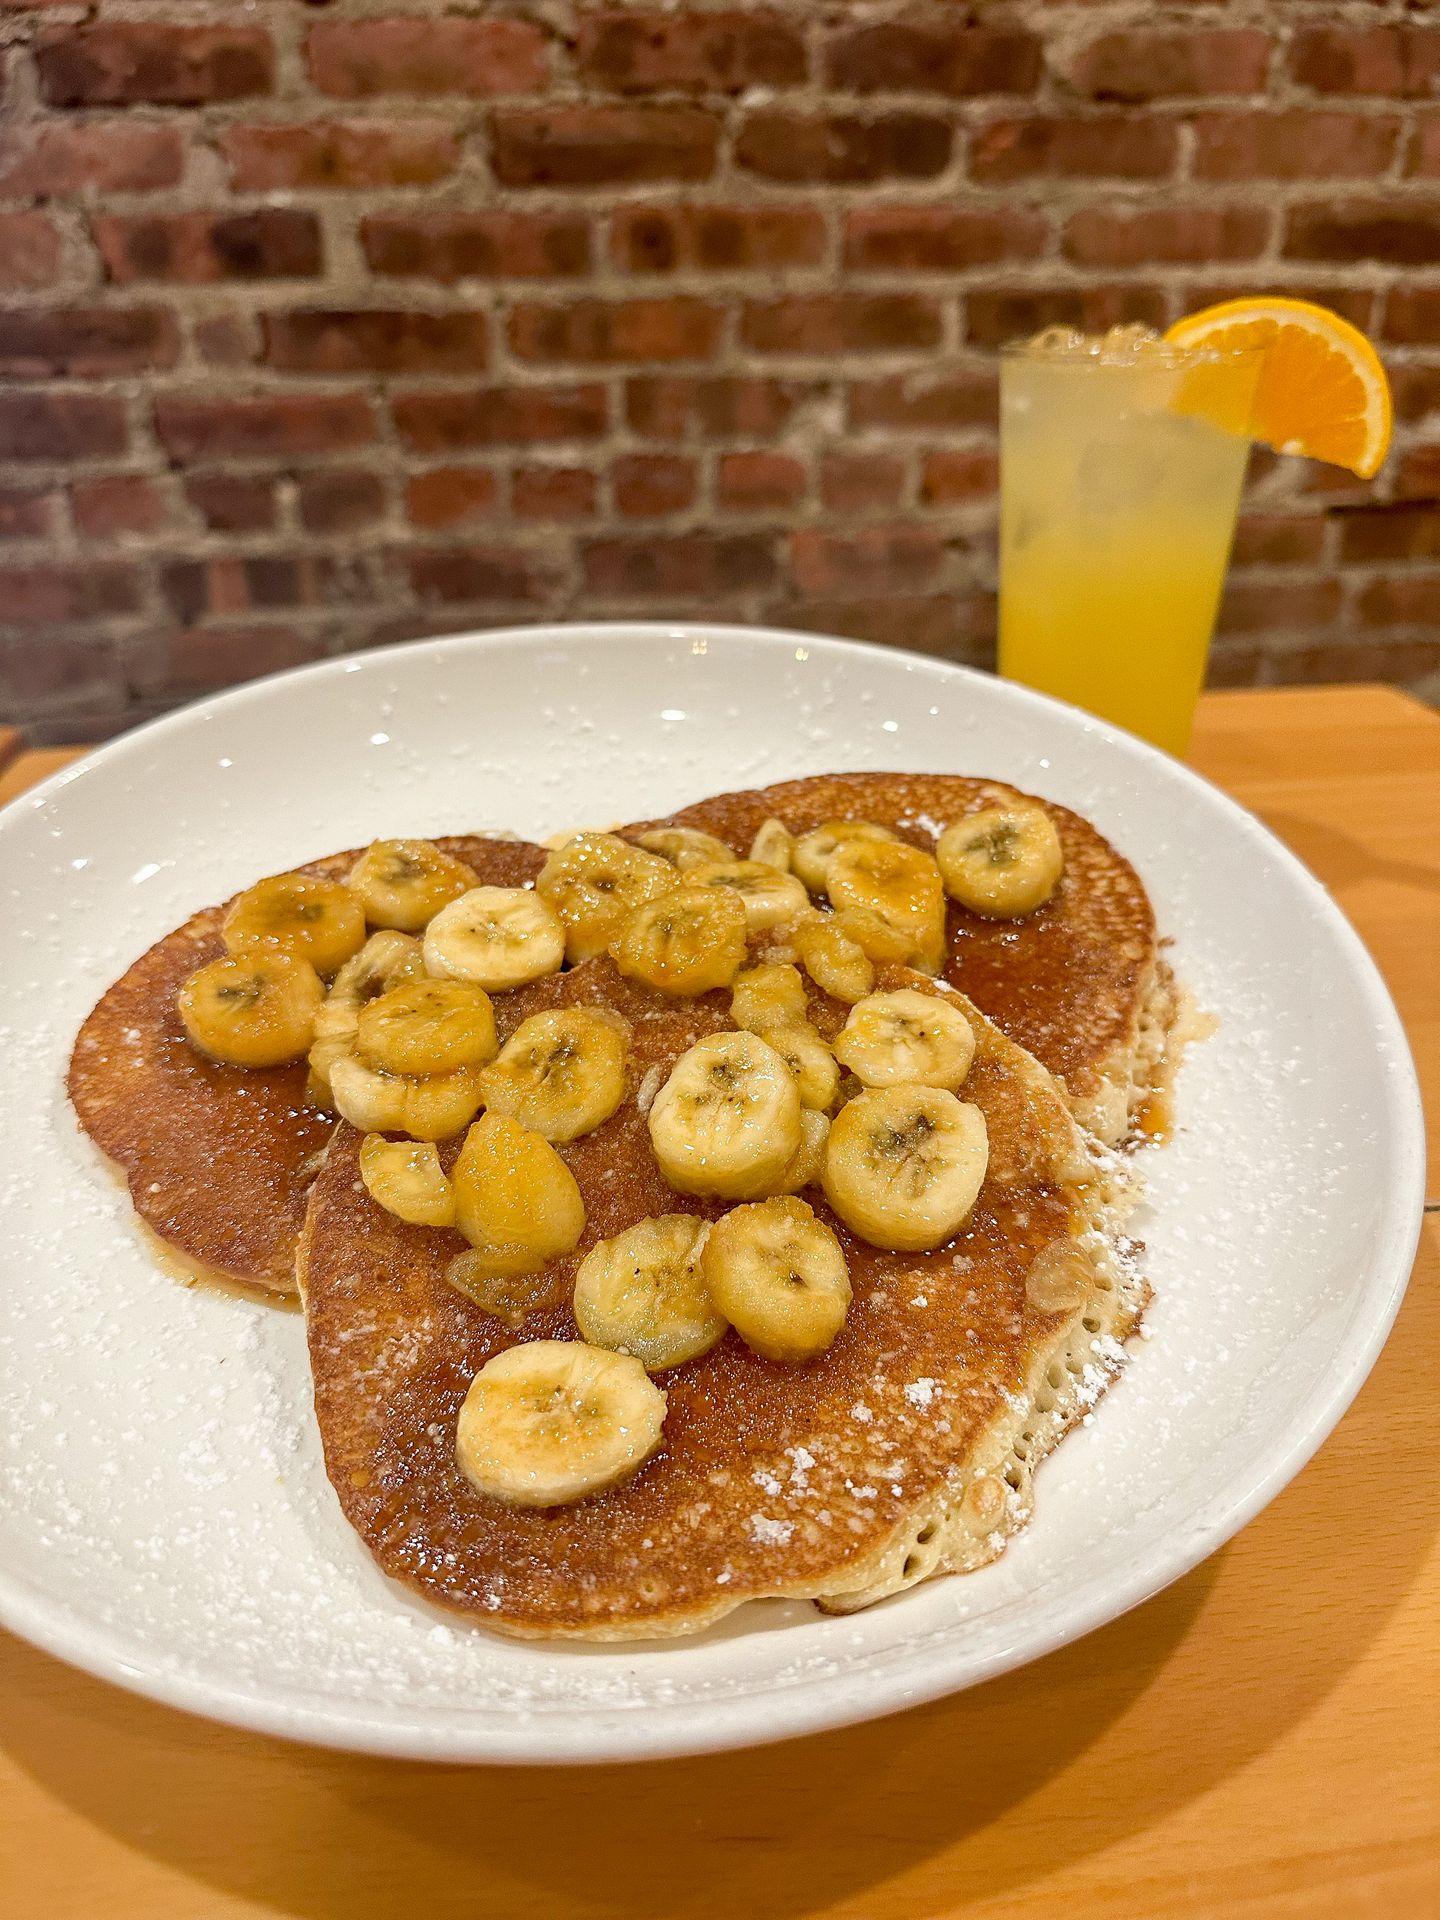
(561, 1073)
(516, 1201)
(768, 996)
(404, 883)
(684, 845)
(428, 1026)
(903, 1165)
(900, 884)
(770, 898)
(251, 1010)
(817, 1078)
(686, 942)
(427, 1107)
(906, 1039)
(876, 938)
(495, 937)
(316, 920)
(804, 1169)
(831, 958)
(727, 1121)
(812, 853)
(383, 962)
(643, 1293)
(406, 1178)
(1002, 863)
(778, 1274)
(773, 845)
(594, 883)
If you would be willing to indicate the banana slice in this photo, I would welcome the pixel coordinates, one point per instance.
(1061, 1278)
(516, 1201)
(643, 1293)
(511, 1297)
(727, 1121)
(428, 1026)
(903, 1165)
(804, 1169)
(561, 1073)
(778, 1274)
(404, 883)
(832, 959)
(431, 1106)
(1002, 863)
(497, 937)
(906, 1039)
(406, 1178)
(812, 853)
(255, 1009)
(768, 996)
(876, 938)
(817, 1078)
(900, 884)
(773, 844)
(686, 942)
(683, 846)
(770, 898)
(383, 962)
(594, 883)
(316, 920)
(550, 1421)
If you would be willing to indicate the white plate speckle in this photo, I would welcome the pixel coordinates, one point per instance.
(165, 1520)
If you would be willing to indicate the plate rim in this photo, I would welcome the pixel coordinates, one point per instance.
(587, 1735)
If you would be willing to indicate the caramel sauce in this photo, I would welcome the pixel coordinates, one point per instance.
(1155, 1119)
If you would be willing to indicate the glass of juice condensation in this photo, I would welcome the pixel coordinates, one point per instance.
(1121, 464)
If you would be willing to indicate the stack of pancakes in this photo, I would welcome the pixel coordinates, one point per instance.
(905, 1450)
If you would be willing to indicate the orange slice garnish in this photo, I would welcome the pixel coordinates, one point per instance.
(1322, 390)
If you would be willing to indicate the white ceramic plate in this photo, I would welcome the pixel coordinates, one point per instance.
(164, 1517)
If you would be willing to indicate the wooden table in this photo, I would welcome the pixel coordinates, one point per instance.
(1260, 1741)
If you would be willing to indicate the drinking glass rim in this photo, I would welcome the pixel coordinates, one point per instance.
(1158, 353)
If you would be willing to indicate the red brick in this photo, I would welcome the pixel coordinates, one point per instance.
(1416, 390)
(245, 583)
(1399, 61)
(507, 574)
(49, 673)
(840, 323)
(358, 59)
(651, 239)
(460, 246)
(61, 426)
(1405, 600)
(1164, 66)
(451, 496)
(933, 54)
(119, 503)
(843, 149)
(1417, 473)
(713, 407)
(954, 476)
(340, 499)
(1397, 232)
(1278, 540)
(46, 595)
(552, 493)
(1250, 607)
(866, 560)
(938, 239)
(996, 318)
(199, 659)
(272, 243)
(1393, 531)
(232, 503)
(928, 398)
(612, 332)
(649, 485)
(677, 566)
(951, 626)
(757, 482)
(579, 146)
(1100, 237)
(194, 429)
(227, 339)
(376, 340)
(1412, 315)
(114, 156)
(1300, 144)
(165, 64)
(500, 416)
(1352, 659)
(24, 514)
(1352, 303)
(86, 342)
(1103, 146)
(652, 52)
(857, 482)
(348, 154)
(29, 250)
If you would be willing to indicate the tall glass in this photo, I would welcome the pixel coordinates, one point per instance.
(1121, 472)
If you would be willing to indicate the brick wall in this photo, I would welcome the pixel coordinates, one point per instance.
(322, 325)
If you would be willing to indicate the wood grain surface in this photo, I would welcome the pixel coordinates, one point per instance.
(1259, 1741)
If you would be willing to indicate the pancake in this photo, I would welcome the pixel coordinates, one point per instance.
(1081, 983)
(218, 1159)
(905, 1450)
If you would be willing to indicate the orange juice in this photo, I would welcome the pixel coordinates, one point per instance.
(1117, 509)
